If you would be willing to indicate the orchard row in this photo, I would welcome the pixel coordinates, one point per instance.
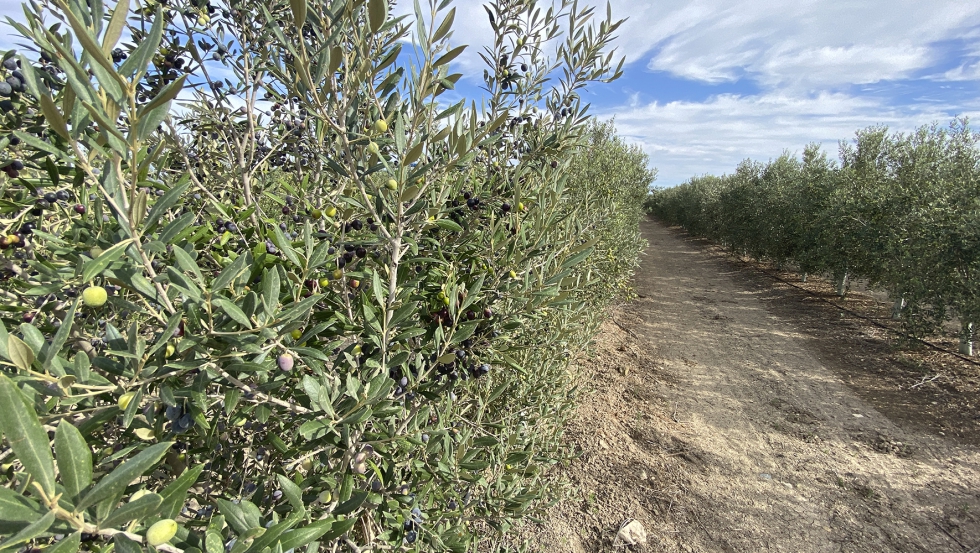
(901, 210)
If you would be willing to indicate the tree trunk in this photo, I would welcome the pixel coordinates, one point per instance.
(897, 308)
(966, 339)
(803, 277)
(842, 285)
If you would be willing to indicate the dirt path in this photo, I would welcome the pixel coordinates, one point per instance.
(722, 421)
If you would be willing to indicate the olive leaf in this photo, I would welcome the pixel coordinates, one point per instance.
(298, 8)
(17, 511)
(19, 353)
(96, 266)
(113, 484)
(117, 22)
(173, 496)
(25, 435)
(29, 532)
(70, 544)
(74, 459)
(377, 14)
(302, 536)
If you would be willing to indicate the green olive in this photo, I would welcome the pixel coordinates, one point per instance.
(94, 296)
(161, 532)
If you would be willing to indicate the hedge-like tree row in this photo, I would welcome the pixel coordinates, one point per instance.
(901, 210)
(264, 289)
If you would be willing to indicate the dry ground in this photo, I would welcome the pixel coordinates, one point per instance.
(727, 411)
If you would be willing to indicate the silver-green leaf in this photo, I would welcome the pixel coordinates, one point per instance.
(26, 436)
(74, 459)
(116, 481)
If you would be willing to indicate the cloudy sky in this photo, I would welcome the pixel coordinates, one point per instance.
(711, 82)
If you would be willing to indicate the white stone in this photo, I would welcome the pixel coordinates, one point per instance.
(632, 533)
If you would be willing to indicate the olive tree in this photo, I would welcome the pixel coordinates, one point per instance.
(264, 289)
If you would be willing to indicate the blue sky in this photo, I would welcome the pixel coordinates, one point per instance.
(711, 82)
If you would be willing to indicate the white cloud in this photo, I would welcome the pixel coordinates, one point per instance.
(969, 70)
(800, 54)
(965, 72)
(807, 43)
(684, 139)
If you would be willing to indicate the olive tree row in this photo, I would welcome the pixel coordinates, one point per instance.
(900, 210)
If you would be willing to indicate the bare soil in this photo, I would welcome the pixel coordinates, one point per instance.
(727, 411)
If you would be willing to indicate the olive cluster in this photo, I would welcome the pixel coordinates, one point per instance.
(460, 369)
(46, 201)
(17, 108)
(291, 121)
(225, 226)
(412, 525)
(13, 168)
(351, 252)
(13, 84)
(461, 208)
(507, 72)
(118, 55)
(180, 419)
(401, 380)
(15, 81)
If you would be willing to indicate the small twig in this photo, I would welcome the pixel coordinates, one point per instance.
(951, 536)
(299, 461)
(673, 416)
(924, 381)
(695, 515)
(249, 390)
(365, 548)
(626, 330)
